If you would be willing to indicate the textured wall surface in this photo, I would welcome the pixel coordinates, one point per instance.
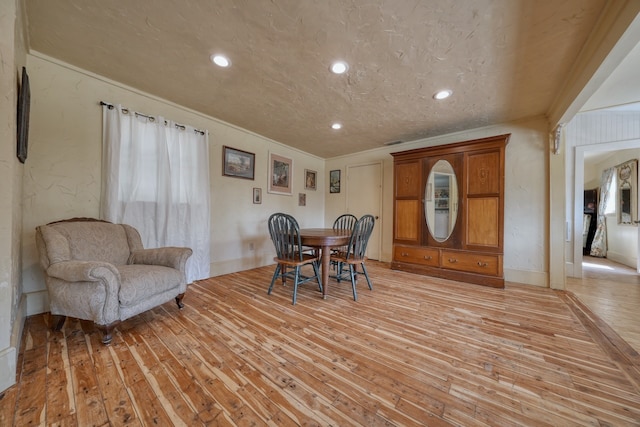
(12, 52)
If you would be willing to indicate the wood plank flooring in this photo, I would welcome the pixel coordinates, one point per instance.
(414, 351)
(612, 292)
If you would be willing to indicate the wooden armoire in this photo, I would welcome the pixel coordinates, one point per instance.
(449, 211)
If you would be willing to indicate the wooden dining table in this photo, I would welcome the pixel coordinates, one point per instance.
(324, 239)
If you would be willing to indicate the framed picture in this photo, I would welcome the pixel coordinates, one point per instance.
(627, 192)
(310, 179)
(238, 163)
(280, 174)
(302, 199)
(257, 195)
(334, 181)
(24, 101)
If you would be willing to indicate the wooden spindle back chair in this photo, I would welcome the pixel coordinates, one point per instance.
(355, 253)
(285, 234)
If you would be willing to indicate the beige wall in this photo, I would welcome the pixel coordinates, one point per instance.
(526, 194)
(12, 312)
(62, 179)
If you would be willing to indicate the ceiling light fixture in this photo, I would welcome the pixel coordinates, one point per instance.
(336, 126)
(442, 94)
(220, 60)
(339, 67)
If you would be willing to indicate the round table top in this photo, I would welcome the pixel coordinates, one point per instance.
(324, 236)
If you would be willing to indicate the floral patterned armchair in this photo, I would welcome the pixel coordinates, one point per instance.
(96, 270)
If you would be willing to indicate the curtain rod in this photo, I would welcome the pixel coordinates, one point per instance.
(151, 118)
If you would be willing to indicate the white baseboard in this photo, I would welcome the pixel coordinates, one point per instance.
(9, 355)
(232, 266)
(8, 361)
(37, 302)
(622, 259)
(535, 278)
(568, 268)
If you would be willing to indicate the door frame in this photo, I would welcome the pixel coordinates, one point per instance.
(579, 196)
(379, 218)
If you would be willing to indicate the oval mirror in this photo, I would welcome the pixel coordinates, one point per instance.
(441, 200)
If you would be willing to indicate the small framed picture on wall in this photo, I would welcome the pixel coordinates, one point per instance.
(334, 181)
(310, 179)
(280, 174)
(257, 196)
(238, 163)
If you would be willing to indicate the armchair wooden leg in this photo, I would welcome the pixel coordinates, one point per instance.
(107, 331)
(57, 322)
(179, 301)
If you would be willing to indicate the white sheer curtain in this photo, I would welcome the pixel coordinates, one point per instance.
(156, 179)
(599, 245)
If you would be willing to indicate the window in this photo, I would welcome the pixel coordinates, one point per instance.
(156, 179)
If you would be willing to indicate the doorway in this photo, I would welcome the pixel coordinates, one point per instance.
(364, 196)
(578, 208)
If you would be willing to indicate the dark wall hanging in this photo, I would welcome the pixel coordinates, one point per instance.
(24, 100)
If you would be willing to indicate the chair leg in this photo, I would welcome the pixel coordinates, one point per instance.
(364, 270)
(352, 269)
(179, 301)
(58, 321)
(295, 285)
(316, 270)
(273, 279)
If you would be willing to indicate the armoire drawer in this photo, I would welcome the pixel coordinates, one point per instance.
(416, 255)
(470, 262)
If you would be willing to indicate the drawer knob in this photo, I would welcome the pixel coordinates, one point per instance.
(453, 260)
(482, 264)
(427, 257)
(404, 254)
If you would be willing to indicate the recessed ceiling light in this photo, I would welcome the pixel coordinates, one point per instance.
(442, 94)
(339, 67)
(336, 126)
(220, 60)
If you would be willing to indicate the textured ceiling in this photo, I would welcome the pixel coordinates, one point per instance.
(504, 60)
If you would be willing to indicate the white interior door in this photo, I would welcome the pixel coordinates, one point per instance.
(364, 196)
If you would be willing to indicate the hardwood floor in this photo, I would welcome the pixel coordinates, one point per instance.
(414, 351)
(612, 292)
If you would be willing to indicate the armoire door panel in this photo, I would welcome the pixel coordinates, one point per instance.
(483, 173)
(408, 179)
(483, 226)
(408, 220)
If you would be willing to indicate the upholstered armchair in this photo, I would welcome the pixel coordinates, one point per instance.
(99, 271)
